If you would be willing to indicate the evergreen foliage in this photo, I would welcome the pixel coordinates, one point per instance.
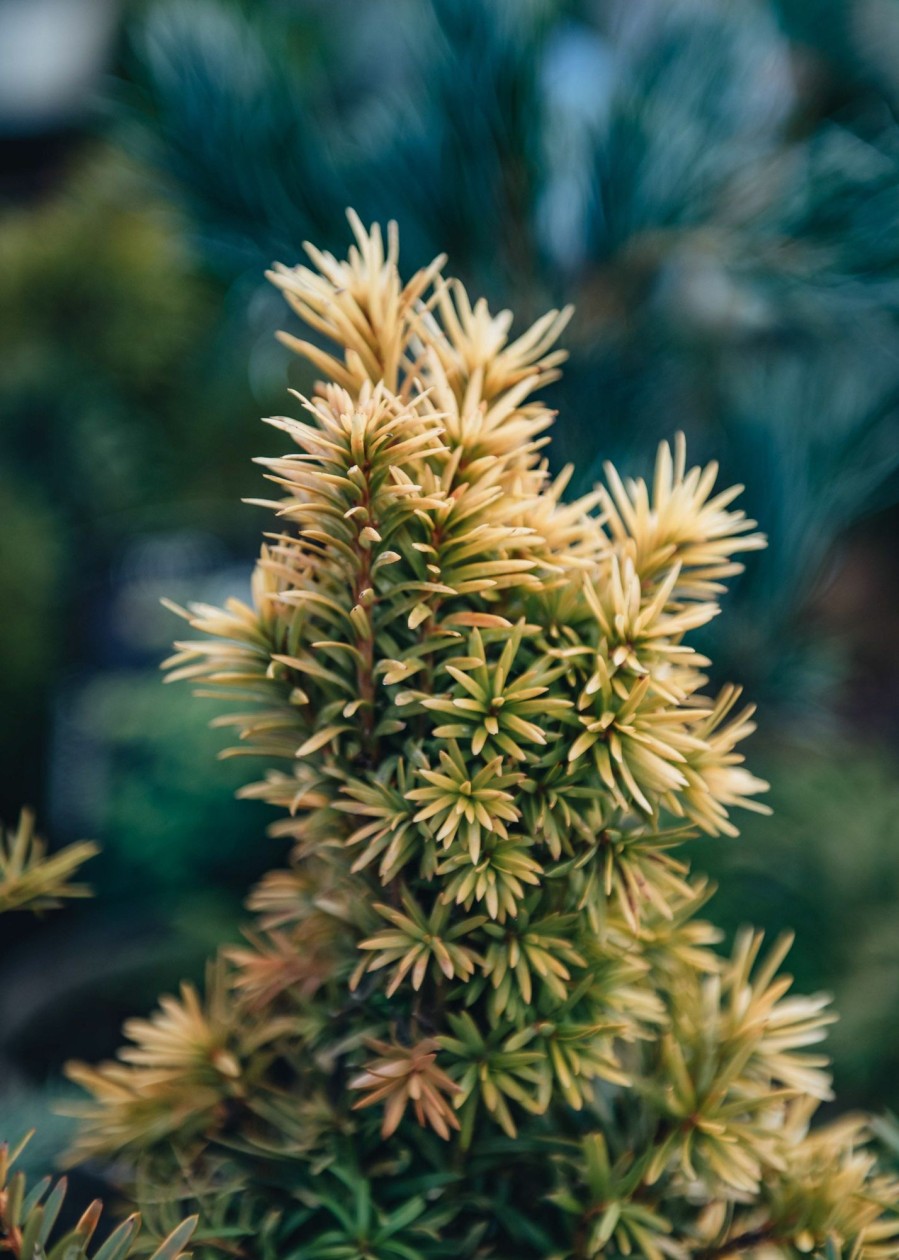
(479, 1013)
(29, 879)
(30, 1218)
(705, 180)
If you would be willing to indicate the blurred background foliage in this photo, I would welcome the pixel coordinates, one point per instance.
(713, 183)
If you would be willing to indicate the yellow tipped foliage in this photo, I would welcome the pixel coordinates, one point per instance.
(32, 880)
(486, 733)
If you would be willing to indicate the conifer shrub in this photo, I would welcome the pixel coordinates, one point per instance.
(479, 1013)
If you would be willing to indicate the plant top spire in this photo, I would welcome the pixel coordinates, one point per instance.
(487, 732)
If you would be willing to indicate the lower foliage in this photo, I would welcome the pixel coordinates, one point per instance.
(32, 1219)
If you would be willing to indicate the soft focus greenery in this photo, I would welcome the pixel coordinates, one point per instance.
(827, 866)
(111, 388)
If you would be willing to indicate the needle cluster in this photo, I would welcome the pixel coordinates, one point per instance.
(479, 1013)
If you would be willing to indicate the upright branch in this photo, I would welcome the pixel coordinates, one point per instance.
(480, 1013)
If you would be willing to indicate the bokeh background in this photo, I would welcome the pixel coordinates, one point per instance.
(714, 183)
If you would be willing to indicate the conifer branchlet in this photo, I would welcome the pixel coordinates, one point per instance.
(479, 1014)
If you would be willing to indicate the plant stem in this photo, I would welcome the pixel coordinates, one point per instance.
(741, 1242)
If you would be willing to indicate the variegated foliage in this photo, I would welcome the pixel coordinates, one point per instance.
(479, 1013)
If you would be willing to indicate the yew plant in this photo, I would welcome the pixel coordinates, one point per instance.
(479, 1013)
